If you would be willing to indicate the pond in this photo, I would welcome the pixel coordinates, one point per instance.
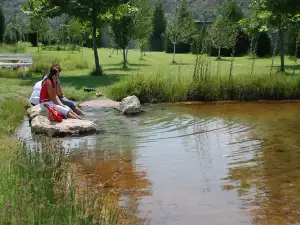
(209, 163)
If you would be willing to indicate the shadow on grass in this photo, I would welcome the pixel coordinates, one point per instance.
(87, 81)
(181, 64)
(121, 64)
(80, 81)
(120, 69)
(288, 70)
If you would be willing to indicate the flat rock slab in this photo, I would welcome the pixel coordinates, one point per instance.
(101, 104)
(68, 127)
(129, 105)
(40, 124)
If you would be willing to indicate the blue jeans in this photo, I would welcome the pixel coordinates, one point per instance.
(68, 102)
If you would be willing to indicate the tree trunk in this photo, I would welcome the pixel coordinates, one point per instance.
(37, 41)
(232, 60)
(97, 64)
(273, 54)
(141, 54)
(254, 41)
(219, 53)
(296, 54)
(126, 54)
(281, 37)
(174, 52)
(124, 57)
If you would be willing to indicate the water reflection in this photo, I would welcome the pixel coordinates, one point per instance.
(214, 163)
(264, 163)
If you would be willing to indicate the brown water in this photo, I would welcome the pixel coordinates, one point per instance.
(198, 164)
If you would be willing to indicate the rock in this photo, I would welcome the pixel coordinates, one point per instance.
(130, 105)
(101, 104)
(41, 125)
(35, 111)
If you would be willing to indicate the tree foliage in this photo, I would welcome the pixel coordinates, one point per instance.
(276, 15)
(91, 12)
(143, 23)
(180, 27)
(122, 27)
(224, 30)
(159, 27)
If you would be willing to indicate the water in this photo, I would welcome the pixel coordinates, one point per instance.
(197, 164)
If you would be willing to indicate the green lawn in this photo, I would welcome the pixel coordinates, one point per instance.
(78, 65)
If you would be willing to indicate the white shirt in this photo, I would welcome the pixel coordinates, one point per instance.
(35, 96)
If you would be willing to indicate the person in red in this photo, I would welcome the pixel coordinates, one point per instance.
(48, 95)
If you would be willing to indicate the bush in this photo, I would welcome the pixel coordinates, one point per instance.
(263, 48)
(61, 48)
(20, 47)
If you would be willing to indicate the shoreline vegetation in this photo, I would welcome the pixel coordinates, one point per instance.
(41, 187)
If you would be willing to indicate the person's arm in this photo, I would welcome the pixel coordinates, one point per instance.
(59, 91)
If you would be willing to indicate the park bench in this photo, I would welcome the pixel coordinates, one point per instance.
(16, 61)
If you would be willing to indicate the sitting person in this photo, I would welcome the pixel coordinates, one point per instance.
(35, 96)
(48, 95)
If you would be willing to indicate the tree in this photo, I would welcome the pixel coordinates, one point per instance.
(40, 26)
(2, 24)
(180, 26)
(159, 27)
(143, 23)
(279, 14)
(224, 29)
(92, 12)
(76, 31)
(122, 27)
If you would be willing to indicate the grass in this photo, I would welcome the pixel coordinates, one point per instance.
(38, 185)
(155, 67)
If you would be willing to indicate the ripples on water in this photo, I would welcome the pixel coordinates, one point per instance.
(209, 164)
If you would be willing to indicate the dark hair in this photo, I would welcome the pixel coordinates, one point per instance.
(53, 70)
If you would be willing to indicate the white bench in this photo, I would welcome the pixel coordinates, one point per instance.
(23, 61)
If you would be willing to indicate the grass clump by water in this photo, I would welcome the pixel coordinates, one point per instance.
(12, 112)
(39, 188)
(159, 88)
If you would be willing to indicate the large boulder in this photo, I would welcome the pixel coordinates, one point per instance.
(40, 124)
(129, 105)
(68, 127)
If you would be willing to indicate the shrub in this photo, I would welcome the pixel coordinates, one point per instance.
(263, 45)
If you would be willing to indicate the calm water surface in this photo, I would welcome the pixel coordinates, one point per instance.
(197, 164)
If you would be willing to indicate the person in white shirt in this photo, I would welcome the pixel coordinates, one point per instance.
(35, 96)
